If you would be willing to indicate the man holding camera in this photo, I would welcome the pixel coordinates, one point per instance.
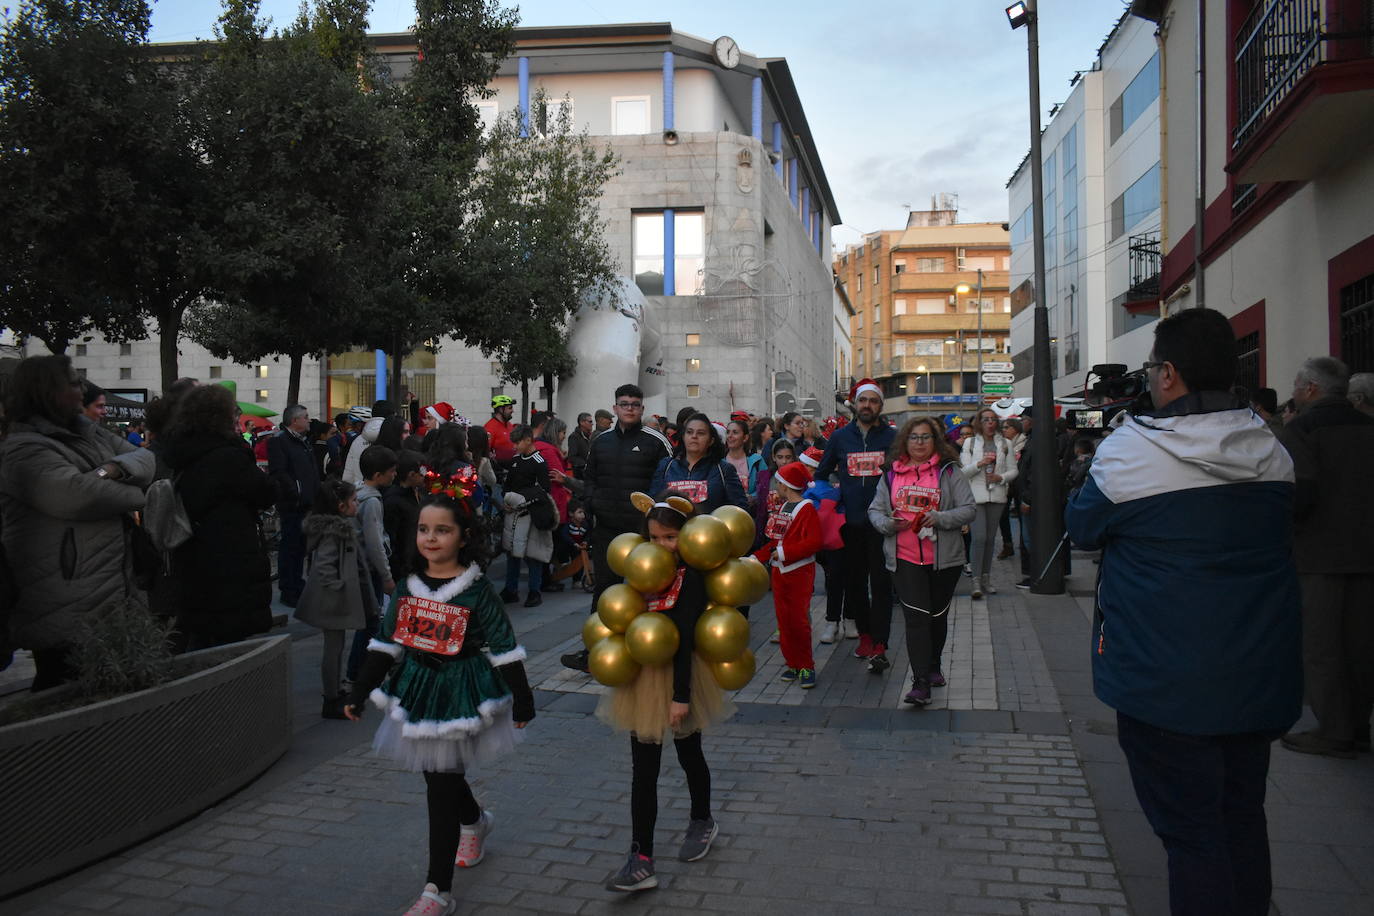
(1197, 628)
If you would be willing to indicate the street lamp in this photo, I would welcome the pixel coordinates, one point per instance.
(1047, 578)
(922, 368)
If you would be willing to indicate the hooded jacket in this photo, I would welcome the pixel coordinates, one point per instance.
(338, 589)
(1197, 614)
(353, 463)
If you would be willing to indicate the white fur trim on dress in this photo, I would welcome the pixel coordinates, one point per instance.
(505, 658)
(390, 648)
(487, 712)
(417, 586)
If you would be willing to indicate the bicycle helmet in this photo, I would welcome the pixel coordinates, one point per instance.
(502, 400)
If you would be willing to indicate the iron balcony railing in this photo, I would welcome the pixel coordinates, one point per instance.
(1279, 43)
(1145, 260)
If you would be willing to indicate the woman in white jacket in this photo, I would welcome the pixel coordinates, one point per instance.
(989, 464)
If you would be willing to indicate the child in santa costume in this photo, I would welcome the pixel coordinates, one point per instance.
(793, 538)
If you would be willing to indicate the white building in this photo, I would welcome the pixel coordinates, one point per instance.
(721, 213)
(1101, 180)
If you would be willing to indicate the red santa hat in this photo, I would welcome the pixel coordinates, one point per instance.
(794, 475)
(859, 387)
(442, 411)
(812, 457)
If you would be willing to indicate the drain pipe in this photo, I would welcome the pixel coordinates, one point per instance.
(1200, 205)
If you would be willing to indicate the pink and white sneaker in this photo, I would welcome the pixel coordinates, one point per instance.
(471, 841)
(432, 903)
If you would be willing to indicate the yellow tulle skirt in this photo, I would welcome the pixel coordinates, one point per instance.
(641, 707)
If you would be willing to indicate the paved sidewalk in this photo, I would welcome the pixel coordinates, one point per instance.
(1008, 797)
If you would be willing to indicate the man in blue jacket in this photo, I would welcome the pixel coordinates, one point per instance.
(856, 454)
(1197, 626)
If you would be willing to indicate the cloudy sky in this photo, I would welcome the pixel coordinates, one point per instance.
(906, 98)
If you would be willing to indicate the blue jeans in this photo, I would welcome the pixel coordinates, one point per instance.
(536, 568)
(1204, 797)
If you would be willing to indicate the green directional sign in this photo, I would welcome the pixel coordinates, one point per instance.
(997, 389)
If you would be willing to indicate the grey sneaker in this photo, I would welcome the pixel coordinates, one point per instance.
(637, 874)
(698, 841)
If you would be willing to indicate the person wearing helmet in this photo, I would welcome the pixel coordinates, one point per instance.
(498, 429)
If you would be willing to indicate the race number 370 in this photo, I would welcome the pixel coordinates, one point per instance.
(431, 626)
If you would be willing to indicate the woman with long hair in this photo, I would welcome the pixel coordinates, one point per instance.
(989, 467)
(698, 470)
(746, 461)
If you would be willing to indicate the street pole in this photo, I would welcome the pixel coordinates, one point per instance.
(980, 338)
(1047, 517)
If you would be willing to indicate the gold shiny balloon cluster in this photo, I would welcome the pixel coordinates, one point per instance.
(621, 637)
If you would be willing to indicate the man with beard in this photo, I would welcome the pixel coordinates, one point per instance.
(499, 427)
(856, 454)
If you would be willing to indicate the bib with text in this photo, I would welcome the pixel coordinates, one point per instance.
(431, 626)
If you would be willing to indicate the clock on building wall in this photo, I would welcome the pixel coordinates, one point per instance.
(727, 52)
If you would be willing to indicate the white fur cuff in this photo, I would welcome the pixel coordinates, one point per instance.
(390, 648)
(505, 658)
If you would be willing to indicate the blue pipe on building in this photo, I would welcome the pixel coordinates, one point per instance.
(524, 63)
(792, 182)
(806, 209)
(669, 254)
(777, 147)
(817, 227)
(381, 375)
(668, 100)
(758, 109)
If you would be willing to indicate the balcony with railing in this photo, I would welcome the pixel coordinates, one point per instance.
(1144, 260)
(1304, 88)
(952, 321)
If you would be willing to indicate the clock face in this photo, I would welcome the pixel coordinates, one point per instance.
(727, 52)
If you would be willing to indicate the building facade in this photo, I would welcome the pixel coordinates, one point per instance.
(918, 310)
(1101, 180)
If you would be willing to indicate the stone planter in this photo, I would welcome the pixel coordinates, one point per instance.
(84, 783)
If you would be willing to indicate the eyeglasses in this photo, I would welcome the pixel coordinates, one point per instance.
(989, 419)
(919, 437)
(1151, 364)
(630, 405)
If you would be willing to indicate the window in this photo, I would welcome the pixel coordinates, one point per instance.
(878, 355)
(859, 278)
(1136, 202)
(487, 113)
(693, 340)
(689, 234)
(899, 266)
(548, 116)
(898, 348)
(126, 374)
(216, 372)
(262, 372)
(1132, 102)
(979, 263)
(495, 368)
(875, 276)
(930, 346)
(630, 115)
(694, 365)
(261, 395)
(1021, 229)
(986, 304)
(693, 391)
(126, 349)
(80, 349)
(859, 357)
(930, 265)
(1006, 304)
(497, 389)
(930, 306)
(877, 315)
(898, 306)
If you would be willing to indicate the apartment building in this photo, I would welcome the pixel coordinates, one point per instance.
(920, 322)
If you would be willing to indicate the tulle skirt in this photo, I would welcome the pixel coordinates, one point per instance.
(642, 706)
(445, 750)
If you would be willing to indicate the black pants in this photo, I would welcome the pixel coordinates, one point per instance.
(925, 593)
(868, 585)
(451, 805)
(602, 535)
(645, 759)
(1004, 525)
(52, 667)
(291, 557)
(1338, 653)
(1204, 797)
(832, 564)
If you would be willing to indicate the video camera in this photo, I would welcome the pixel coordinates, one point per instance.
(1108, 390)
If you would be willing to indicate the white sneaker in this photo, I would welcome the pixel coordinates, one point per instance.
(776, 637)
(851, 630)
(987, 586)
(828, 632)
(471, 841)
(432, 903)
(977, 586)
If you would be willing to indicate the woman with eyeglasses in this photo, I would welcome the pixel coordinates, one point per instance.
(921, 504)
(989, 466)
(1014, 433)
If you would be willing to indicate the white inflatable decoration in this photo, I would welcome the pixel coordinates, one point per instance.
(613, 345)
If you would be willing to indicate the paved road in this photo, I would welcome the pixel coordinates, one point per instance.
(1008, 796)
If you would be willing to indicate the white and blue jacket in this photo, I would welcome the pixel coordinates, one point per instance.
(1197, 625)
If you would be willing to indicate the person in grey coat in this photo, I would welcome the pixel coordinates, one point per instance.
(67, 488)
(921, 503)
(338, 594)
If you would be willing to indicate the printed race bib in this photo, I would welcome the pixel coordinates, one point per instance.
(778, 523)
(667, 599)
(695, 490)
(865, 464)
(430, 626)
(912, 498)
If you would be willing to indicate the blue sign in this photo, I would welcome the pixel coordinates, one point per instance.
(935, 399)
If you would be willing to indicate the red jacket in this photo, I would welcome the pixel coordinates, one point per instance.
(800, 539)
(498, 435)
(555, 460)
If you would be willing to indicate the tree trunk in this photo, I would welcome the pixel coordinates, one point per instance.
(169, 328)
(394, 390)
(56, 345)
(548, 391)
(524, 400)
(293, 379)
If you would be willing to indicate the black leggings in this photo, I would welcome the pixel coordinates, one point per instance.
(645, 758)
(925, 593)
(451, 805)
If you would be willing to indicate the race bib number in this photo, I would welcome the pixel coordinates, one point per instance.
(667, 599)
(912, 498)
(430, 626)
(695, 490)
(778, 523)
(865, 464)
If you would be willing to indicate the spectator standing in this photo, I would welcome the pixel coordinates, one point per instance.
(987, 463)
(1012, 432)
(1331, 443)
(1265, 402)
(580, 444)
(379, 472)
(1196, 634)
(603, 419)
(748, 464)
(367, 437)
(93, 402)
(134, 433)
(549, 444)
(335, 446)
(622, 460)
(1361, 392)
(499, 429)
(291, 465)
(697, 469)
(401, 512)
(527, 484)
(66, 489)
(856, 455)
(794, 427)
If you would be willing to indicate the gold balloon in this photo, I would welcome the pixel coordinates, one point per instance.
(617, 606)
(734, 674)
(730, 584)
(722, 633)
(741, 525)
(704, 542)
(593, 631)
(757, 576)
(652, 639)
(650, 569)
(619, 550)
(610, 663)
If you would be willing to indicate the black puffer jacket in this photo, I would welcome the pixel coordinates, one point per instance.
(622, 461)
(223, 579)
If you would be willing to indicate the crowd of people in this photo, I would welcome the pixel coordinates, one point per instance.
(1231, 567)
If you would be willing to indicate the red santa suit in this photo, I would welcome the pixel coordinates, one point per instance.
(794, 537)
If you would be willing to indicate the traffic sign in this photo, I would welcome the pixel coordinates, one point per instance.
(996, 367)
(998, 378)
(991, 398)
(997, 389)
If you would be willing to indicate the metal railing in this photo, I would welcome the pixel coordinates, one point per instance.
(1145, 260)
(1279, 43)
